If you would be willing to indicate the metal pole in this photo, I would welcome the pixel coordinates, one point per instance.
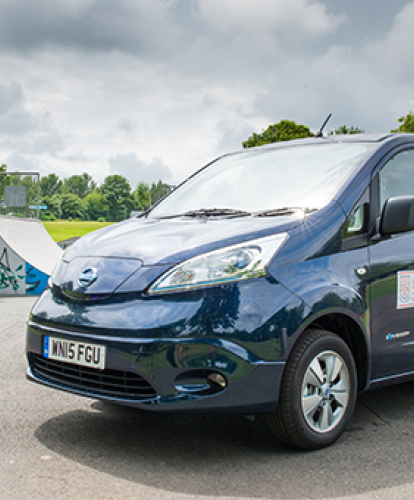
(38, 196)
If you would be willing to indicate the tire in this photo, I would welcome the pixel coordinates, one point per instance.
(318, 393)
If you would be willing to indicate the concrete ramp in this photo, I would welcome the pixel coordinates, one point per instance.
(27, 256)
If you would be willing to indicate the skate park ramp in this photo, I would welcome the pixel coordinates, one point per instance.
(27, 256)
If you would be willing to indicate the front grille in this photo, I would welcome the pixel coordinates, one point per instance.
(106, 382)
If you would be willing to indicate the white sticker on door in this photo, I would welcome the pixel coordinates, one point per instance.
(405, 289)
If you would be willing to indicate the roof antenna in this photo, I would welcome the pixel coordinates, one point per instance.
(320, 134)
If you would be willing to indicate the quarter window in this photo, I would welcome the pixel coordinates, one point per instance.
(357, 222)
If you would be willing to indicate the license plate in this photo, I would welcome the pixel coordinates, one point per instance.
(79, 353)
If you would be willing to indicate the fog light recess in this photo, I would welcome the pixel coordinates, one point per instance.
(217, 381)
(200, 382)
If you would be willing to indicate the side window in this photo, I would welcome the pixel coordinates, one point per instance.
(357, 222)
(397, 177)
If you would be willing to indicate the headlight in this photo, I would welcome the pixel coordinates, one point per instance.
(233, 263)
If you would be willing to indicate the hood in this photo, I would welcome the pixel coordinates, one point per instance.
(100, 263)
(170, 241)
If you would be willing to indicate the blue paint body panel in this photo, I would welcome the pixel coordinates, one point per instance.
(225, 347)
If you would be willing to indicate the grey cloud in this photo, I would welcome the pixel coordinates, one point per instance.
(22, 130)
(136, 170)
(270, 17)
(11, 96)
(366, 21)
(29, 133)
(16, 123)
(340, 82)
(125, 126)
(366, 85)
(47, 140)
(394, 51)
(14, 119)
(232, 136)
(92, 25)
(78, 157)
(214, 72)
(20, 163)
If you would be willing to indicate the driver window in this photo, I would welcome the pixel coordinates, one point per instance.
(397, 177)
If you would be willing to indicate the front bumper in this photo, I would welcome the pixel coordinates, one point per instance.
(167, 374)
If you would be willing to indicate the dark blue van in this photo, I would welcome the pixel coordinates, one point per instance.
(276, 280)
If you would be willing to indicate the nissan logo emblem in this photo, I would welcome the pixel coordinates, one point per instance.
(87, 277)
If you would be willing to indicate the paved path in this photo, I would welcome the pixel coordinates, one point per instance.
(59, 446)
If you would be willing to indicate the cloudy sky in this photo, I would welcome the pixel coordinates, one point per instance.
(154, 89)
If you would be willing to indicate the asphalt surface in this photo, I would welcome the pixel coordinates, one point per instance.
(60, 446)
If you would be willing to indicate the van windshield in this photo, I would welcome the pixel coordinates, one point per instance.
(266, 180)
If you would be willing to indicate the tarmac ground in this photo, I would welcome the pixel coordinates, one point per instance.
(60, 446)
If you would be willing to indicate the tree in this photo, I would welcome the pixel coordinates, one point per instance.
(96, 206)
(285, 130)
(71, 206)
(117, 191)
(3, 182)
(158, 191)
(30, 183)
(53, 206)
(346, 130)
(407, 124)
(146, 196)
(50, 185)
(142, 196)
(81, 185)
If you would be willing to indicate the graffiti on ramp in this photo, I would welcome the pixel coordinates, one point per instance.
(27, 256)
(19, 278)
(9, 278)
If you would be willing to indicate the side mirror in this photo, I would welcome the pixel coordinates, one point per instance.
(397, 216)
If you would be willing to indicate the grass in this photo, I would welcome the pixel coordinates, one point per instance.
(64, 229)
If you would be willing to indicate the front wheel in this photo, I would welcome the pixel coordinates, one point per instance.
(318, 392)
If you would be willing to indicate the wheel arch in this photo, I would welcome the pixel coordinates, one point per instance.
(351, 332)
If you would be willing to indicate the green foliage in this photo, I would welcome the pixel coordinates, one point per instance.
(81, 185)
(96, 206)
(117, 191)
(53, 206)
(50, 185)
(285, 130)
(146, 196)
(347, 130)
(3, 167)
(158, 191)
(78, 196)
(71, 206)
(142, 196)
(407, 124)
(30, 183)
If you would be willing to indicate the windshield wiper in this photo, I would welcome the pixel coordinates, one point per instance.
(215, 212)
(274, 212)
(210, 212)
